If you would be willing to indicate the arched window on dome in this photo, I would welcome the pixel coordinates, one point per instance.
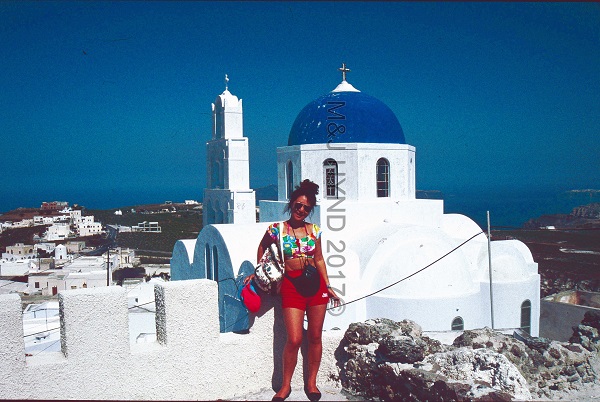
(330, 173)
(207, 262)
(458, 324)
(215, 264)
(289, 179)
(526, 316)
(383, 178)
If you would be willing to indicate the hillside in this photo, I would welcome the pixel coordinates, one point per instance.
(186, 223)
(567, 259)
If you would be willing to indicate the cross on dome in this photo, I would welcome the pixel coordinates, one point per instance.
(344, 70)
(226, 82)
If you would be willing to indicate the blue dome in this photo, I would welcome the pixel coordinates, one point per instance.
(346, 117)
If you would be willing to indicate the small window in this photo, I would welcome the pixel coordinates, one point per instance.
(73, 287)
(289, 176)
(37, 285)
(526, 316)
(458, 324)
(383, 178)
(330, 172)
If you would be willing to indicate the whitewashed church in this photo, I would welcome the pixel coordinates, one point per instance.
(388, 253)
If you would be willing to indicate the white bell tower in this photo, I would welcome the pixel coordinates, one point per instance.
(228, 197)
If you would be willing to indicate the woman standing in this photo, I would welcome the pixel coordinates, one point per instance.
(301, 247)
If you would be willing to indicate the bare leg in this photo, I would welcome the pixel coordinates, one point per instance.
(293, 319)
(316, 316)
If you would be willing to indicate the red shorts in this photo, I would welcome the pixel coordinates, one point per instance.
(291, 298)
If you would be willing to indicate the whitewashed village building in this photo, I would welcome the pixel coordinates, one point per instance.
(376, 233)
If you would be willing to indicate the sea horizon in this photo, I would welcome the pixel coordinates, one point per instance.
(508, 208)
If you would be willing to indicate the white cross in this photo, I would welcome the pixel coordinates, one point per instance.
(344, 70)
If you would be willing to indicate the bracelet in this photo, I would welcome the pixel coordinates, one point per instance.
(328, 286)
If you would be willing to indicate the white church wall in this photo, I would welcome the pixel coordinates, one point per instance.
(433, 314)
(354, 217)
(237, 167)
(228, 206)
(461, 228)
(313, 157)
(508, 299)
(511, 262)
(401, 159)
(356, 168)
(228, 116)
(411, 249)
(243, 203)
(189, 361)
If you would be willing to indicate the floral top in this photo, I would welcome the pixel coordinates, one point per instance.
(293, 247)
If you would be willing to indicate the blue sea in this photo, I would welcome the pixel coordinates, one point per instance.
(514, 208)
(507, 208)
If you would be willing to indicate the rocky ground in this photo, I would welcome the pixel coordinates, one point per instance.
(385, 360)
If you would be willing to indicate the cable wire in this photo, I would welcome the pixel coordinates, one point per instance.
(411, 275)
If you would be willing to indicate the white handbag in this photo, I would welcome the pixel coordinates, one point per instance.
(270, 269)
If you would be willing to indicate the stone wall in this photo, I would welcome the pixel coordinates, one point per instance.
(191, 359)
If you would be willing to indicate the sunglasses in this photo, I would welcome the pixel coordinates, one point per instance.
(299, 206)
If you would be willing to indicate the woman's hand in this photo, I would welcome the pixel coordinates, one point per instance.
(333, 298)
(248, 279)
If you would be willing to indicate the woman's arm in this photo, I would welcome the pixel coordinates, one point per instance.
(322, 268)
(264, 244)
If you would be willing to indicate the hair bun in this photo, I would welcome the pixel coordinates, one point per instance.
(310, 186)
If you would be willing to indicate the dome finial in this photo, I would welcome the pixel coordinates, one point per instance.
(226, 82)
(344, 70)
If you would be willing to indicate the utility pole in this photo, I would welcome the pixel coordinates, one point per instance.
(108, 266)
(490, 267)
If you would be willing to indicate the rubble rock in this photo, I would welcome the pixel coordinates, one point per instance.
(483, 367)
(395, 361)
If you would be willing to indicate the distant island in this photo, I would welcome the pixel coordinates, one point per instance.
(582, 217)
(590, 191)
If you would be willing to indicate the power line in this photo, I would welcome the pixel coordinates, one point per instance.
(411, 275)
(37, 333)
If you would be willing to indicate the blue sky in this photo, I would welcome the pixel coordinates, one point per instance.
(102, 99)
